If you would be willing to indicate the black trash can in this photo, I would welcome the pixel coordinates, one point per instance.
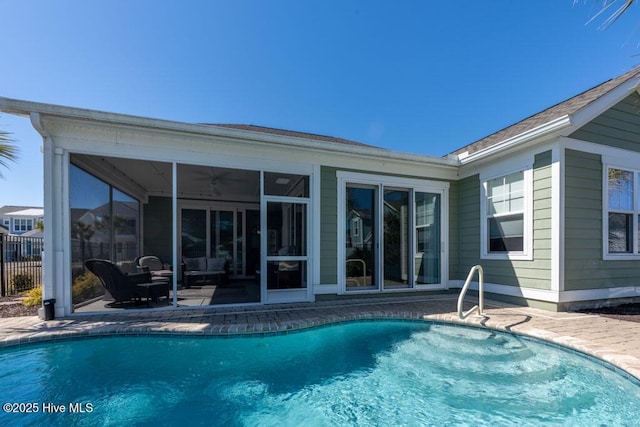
(49, 309)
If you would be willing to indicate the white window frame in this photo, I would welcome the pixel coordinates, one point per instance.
(20, 225)
(634, 212)
(527, 217)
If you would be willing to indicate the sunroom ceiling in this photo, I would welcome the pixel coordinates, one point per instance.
(143, 178)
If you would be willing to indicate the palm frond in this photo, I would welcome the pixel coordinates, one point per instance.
(606, 8)
(8, 151)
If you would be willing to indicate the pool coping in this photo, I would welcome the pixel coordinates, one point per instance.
(614, 341)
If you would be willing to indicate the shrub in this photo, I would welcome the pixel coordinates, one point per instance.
(33, 298)
(86, 287)
(22, 282)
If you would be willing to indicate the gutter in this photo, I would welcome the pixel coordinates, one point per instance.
(546, 129)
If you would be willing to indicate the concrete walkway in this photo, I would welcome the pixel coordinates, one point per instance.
(615, 341)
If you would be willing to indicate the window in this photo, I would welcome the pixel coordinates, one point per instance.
(622, 213)
(505, 216)
(21, 225)
(104, 220)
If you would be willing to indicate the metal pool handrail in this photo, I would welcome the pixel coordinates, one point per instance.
(478, 308)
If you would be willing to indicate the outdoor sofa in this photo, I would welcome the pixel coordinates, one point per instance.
(204, 271)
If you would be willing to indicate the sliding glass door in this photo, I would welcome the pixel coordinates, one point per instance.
(393, 236)
(228, 238)
(223, 233)
(396, 254)
(427, 238)
(360, 240)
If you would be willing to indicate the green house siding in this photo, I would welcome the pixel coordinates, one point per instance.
(539, 270)
(531, 274)
(328, 225)
(617, 127)
(584, 265)
(469, 225)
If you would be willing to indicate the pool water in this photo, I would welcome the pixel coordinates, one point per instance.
(362, 373)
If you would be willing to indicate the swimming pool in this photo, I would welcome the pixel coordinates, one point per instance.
(360, 373)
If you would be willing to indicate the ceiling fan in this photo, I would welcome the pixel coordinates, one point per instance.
(217, 179)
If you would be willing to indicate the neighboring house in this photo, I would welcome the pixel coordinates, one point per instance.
(20, 219)
(550, 206)
(18, 222)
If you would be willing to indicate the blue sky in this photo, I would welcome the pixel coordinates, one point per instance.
(422, 77)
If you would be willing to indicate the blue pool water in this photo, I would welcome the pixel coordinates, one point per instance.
(362, 373)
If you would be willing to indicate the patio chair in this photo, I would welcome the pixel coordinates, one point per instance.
(158, 270)
(121, 287)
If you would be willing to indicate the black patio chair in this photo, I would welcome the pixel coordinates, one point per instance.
(120, 287)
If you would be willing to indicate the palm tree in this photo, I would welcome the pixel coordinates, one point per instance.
(8, 151)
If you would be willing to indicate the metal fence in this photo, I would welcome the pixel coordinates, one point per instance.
(20, 264)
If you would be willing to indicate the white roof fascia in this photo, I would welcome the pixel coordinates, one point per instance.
(566, 124)
(602, 104)
(545, 130)
(26, 212)
(25, 108)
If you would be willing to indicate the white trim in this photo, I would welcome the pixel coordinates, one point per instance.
(175, 255)
(515, 291)
(553, 296)
(391, 181)
(600, 294)
(546, 130)
(609, 154)
(65, 232)
(340, 231)
(315, 219)
(557, 218)
(603, 103)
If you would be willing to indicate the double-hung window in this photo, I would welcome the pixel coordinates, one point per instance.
(505, 219)
(20, 225)
(622, 212)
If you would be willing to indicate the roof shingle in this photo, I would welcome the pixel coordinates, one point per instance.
(562, 109)
(293, 134)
